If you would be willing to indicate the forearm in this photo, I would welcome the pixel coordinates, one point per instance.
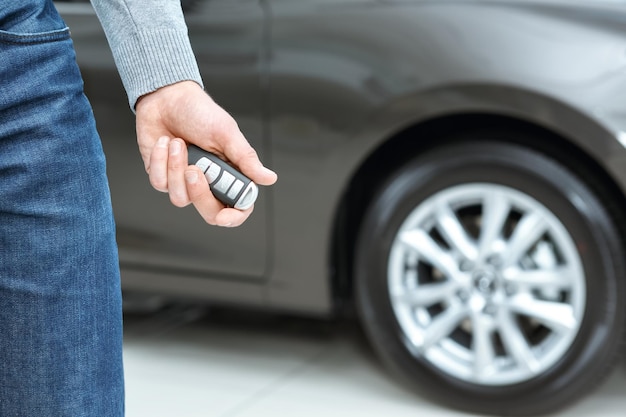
(149, 42)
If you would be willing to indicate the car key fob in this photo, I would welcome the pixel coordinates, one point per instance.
(227, 184)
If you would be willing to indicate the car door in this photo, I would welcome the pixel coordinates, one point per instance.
(227, 36)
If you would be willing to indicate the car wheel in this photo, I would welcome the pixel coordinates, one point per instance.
(490, 276)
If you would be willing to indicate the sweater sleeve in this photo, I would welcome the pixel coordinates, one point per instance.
(150, 44)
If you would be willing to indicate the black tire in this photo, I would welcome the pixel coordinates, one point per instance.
(558, 381)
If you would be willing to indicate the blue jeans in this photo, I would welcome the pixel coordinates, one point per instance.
(60, 298)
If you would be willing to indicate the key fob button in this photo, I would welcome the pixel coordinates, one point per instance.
(204, 164)
(224, 183)
(234, 190)
(213, 172)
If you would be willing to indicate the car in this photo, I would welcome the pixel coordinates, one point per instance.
(453, 171)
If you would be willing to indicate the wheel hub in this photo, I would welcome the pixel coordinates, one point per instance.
(485, 282)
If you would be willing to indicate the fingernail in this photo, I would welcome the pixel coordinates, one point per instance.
(175, 147)
(191, 177)
(162, 142)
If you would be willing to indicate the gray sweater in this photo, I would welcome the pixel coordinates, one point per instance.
(149, 42)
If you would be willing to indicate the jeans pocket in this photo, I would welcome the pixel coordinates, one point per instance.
(31, 38)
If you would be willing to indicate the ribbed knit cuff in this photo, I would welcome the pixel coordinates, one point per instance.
(151, 60)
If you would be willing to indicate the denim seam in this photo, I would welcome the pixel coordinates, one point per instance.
(34, 38)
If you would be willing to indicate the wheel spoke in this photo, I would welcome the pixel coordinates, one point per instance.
(557, 316)
(558, 278)
(496, 208)
(515, 343)
(530, 228)
(426, 295)
(443, 325)
(454, 232)
(429, 251)
(482, 345)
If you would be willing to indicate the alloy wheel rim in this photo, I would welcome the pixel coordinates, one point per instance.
(486, 284)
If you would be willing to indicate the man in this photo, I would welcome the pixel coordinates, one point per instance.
(60, 298)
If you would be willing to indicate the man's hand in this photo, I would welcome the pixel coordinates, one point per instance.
(184, 111)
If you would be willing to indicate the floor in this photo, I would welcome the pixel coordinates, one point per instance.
(188, 361)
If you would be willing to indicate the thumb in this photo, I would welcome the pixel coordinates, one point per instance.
(250, 165)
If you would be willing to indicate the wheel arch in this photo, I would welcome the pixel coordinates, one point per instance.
(439, 131)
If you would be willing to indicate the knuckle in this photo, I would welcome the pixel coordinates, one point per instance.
(178, 201)
(175, 164)
(178, 197)
(251, 153)
(209, 217)
(158, 183)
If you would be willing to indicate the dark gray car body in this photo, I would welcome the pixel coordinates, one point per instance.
(333, 94)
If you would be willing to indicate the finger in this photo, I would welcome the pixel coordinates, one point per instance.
(200, 195)
(239, 152)
(157, 167)
(230, 143)
(252, 167)
(230, 217)
(211, 209)
(176, 165)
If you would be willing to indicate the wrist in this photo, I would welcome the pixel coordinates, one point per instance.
(167, 94)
